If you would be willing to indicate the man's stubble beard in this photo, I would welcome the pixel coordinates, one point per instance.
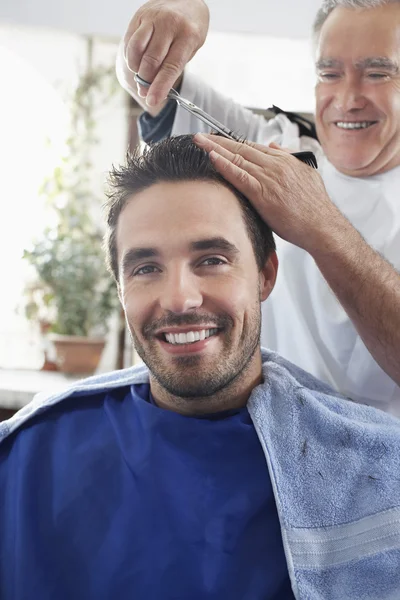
(181, 381)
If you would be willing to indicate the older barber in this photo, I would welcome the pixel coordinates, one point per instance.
(336, 308)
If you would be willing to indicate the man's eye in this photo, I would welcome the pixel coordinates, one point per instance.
(213, 261)
(146, 270)
(328, 76)
(377, 75)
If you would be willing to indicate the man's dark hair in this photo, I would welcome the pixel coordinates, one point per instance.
(173, 159)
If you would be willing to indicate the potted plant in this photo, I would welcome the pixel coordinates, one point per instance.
(72, 295)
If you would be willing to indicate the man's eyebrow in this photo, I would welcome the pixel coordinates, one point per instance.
(378, 62)
(371, 62)
(328, 63)
(134, 255)
(215, 243)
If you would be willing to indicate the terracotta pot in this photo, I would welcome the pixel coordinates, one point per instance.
(76, 354)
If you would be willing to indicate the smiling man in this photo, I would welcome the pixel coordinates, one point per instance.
(192, 296)
(216, 470)
(338, 308)
(358, 89)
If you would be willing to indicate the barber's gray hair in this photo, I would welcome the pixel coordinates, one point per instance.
(329, 5)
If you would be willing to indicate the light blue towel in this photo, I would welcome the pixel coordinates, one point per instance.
(335, 467)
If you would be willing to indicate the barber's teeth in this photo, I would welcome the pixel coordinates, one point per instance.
(354, 125)
(190, 337)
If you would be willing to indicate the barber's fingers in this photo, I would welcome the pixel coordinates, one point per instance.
(161, 38)
(244, 174)
(278, 147)
(158, 58)
(255, 154)
(178, 55)
(136, 45)
(139, 56)
(241, 147)
(238, 172)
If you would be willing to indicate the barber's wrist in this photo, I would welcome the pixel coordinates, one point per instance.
(334, 235)
(328, 233)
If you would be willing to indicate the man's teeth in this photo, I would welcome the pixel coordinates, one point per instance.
(189, 337)
(355, 125)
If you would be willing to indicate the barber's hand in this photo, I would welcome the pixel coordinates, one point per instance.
(288, 194)
(161, 39)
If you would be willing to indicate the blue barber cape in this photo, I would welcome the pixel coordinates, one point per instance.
(108, 496)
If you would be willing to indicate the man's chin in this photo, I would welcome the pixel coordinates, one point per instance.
(353, 164)
(190, 377)
(187, 387)
(183, 376)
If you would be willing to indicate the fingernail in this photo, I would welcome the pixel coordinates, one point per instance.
(151, 100)
(200, 138)
(140, 92)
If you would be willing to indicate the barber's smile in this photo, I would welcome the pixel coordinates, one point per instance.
(187, 340)
(354, 126)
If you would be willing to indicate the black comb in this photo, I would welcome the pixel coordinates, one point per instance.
(308, 158)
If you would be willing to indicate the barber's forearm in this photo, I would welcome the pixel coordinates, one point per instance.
(368, 288)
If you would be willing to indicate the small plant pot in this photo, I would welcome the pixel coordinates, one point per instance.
(76, 354)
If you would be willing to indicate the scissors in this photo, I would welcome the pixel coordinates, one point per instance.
(195, 110)
(306, 157)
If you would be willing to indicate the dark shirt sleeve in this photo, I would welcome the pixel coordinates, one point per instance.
(154, 129)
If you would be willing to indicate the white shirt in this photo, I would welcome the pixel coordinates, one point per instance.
(302, 319)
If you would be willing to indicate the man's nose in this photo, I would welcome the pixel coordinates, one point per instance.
(350, 95)
(181, 292)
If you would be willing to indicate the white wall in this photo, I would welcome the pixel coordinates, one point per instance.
(286, 18)
(258, 71)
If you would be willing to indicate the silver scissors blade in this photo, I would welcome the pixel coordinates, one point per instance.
(195, 110)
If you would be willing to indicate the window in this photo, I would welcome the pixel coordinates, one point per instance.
(39, 66)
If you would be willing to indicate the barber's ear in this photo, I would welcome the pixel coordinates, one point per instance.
(268, 276)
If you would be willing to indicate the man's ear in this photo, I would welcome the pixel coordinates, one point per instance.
(268, 276)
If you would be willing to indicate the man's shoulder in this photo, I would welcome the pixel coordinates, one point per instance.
(291, 374)
(91, 386)
(292, 383)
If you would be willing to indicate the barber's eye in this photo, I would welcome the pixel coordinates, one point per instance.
(377, 75)
(328, 76)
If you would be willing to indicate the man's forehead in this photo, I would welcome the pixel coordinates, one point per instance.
(201, 209)
(376, 28)
(169, 202)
